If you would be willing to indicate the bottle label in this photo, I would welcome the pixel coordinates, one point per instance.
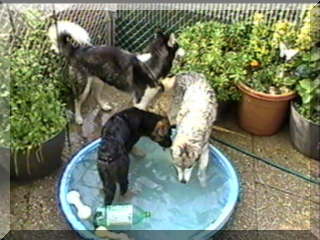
(119, 215)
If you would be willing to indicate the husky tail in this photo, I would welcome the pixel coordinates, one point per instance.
(58, 34)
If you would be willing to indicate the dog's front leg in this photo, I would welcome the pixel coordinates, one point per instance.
(123, 175)
(104, 105)
(204, 161)
(109, 186)
(148, 96)
(79, 101)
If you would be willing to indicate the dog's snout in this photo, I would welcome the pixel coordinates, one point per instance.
(183, 181)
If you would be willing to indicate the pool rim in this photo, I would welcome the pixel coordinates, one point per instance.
(80, 228)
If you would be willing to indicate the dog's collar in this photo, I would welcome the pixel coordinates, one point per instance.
(150, 72)
(105, 140)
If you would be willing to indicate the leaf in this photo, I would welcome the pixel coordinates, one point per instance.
(306, 99)
(315, 55)
(306, 84)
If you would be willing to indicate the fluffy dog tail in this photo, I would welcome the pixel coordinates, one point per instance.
(58, 34)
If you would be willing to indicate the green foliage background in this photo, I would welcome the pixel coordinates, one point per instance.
(37, 111)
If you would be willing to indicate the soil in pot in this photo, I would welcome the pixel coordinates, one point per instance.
(38, 162)
(305, 135)
(262, 114)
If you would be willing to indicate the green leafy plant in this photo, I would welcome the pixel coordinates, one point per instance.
(212, 49)
(309, 33)
(309, 91)
(308, 88)
(37, 112)
(274, 52)
(269, 70)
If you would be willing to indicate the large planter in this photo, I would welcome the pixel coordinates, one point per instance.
(262, 114)
(305, 135)
(38, 162)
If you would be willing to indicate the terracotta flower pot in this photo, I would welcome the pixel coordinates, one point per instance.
(305, 135)
(39, 162)
(260, 113)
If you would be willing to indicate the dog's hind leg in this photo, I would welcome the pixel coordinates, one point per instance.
(104, 105)
(123, 176)
(149, 95)
(79, 101)
(110, 189)
(204, 161)
(109, 186)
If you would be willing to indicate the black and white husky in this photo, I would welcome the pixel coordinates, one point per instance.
(193, 111)
(139, 75)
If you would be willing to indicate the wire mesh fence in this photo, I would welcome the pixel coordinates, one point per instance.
(92, 17)
(131, 26)
(136, 23)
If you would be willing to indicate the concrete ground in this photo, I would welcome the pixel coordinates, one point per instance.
(271, 199)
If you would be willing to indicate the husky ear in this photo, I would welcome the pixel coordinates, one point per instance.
(172, 40)
(158, 32)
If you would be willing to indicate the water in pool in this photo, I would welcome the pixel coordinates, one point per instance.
(153, 180)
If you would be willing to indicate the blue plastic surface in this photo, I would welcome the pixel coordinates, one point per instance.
(215, 204)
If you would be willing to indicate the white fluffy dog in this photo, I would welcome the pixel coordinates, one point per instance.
(193, 110)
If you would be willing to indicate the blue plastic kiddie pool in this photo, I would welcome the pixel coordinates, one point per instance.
(179, 211)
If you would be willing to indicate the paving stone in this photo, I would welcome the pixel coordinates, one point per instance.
(278, 149)
(4, 202)
(44, 213)
(19, 205)
(315, 219)
(282, 211)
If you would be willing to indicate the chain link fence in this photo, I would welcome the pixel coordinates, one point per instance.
(131, 26)
(95, 18)
(136, 23)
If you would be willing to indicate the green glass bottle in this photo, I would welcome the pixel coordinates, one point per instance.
(120, 215)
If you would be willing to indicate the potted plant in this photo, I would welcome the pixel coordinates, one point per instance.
(305, 111)
(37, 113)
(270, 81)
(212, 49)
(305, 118)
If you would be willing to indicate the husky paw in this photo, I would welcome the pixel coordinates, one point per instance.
(106, 107)
(202, 179)
(79, 120)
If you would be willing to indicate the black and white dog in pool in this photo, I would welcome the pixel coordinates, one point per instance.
(118, 137)
(139, 75)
